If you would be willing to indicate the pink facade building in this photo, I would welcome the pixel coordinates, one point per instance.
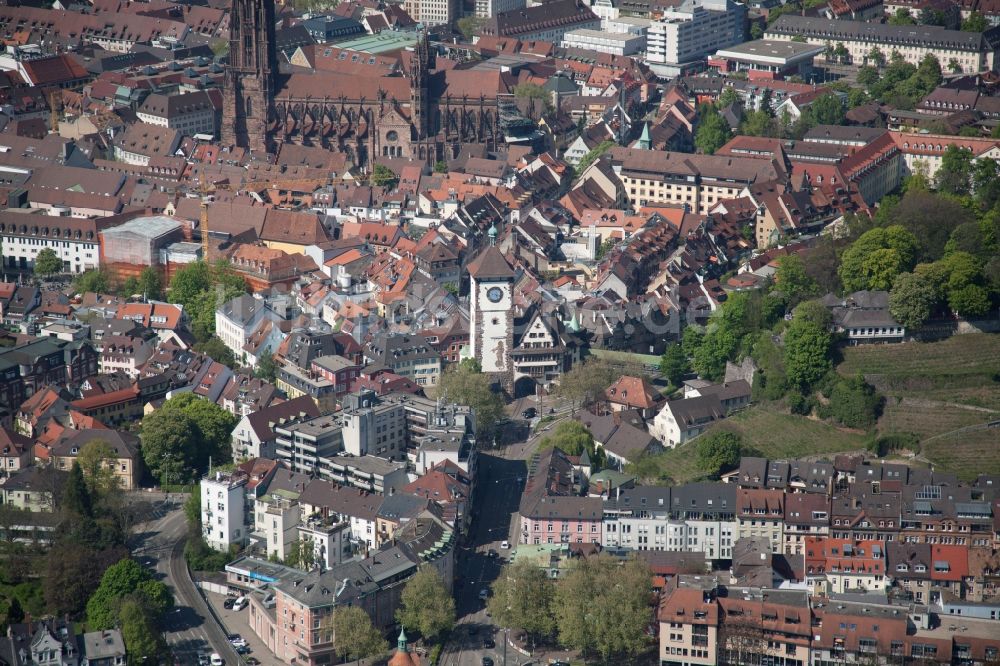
(552, 509)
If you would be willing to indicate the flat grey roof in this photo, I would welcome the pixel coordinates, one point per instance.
(771, 51)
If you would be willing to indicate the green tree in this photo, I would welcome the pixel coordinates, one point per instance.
(426, 605)
(770, 382)
(586, 383)
(931, 218)
(867, 265)
(976, 22)
(719, 451)
(523, 596)
(854, 402)
(902, 17)
(807, 345)
(969, 301)
(192, 512)
(573, 438)
(530, 91)
(94, 281)
(125, 577)
(217, 350)
(955, 173)
(469, 25)
(383, 176)
(593, 155)
(912, 300)
(758, 123)
(930, 16)
(354, 636)
(150, 283)
(169, 443)
(97, 461)
(674, 364)
(603, 606)
(827, 109)
(876, 56)
(868, 76)
(142, 640)
(130, 287)
(47, 262)
(189, 283)
(72, 572)
(214, 424)
(266, 366)
(76, 500)
(713, 130)
(441, 166)
(728, 97)
(756, 31)
(793, 280)
(300, 554)
(467, 385)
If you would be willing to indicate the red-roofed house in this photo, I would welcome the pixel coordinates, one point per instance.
(837, 566)
(634, 393)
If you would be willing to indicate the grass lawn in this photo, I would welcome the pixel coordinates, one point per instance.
(955, 374)
(774, 434)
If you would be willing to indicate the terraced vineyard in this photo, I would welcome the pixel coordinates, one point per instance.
(936, 390)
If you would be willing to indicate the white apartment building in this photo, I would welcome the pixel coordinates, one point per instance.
(74, 240)
(237, 320)
(490, 8)
(615, 43)
(223, 515)
(692, 31)
(432, 12)
(276, 523)
(330, 538)
(697, 517)
(189, 113)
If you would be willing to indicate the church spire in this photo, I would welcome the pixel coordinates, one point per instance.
(401, 641)
(249, 84)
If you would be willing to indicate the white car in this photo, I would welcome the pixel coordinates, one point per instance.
(505, 544)
(240, 604)
(217, 660)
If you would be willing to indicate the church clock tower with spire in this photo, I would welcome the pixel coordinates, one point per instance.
(491, 305)
(250, 80)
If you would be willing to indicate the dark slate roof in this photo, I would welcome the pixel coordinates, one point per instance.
(490, 263)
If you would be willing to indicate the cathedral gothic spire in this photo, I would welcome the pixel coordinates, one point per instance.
(250, 79)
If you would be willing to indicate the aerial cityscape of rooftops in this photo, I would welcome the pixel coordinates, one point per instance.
(500, 332)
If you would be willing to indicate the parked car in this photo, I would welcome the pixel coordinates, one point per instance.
(240, 604)
(204, 660)
(228, 603)
(505, 544)
(529, 413)
(252, 661)
(216, 660)
(489, 643)
(487, 661)
(238, 642)
(484, 594)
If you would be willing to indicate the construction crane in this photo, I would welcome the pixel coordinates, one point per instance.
(203, 221)
(55, 106)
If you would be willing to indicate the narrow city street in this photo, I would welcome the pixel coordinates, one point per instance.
(158, 543)
(500, 481)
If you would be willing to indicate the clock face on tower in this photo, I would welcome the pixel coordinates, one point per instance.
(495, 294)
